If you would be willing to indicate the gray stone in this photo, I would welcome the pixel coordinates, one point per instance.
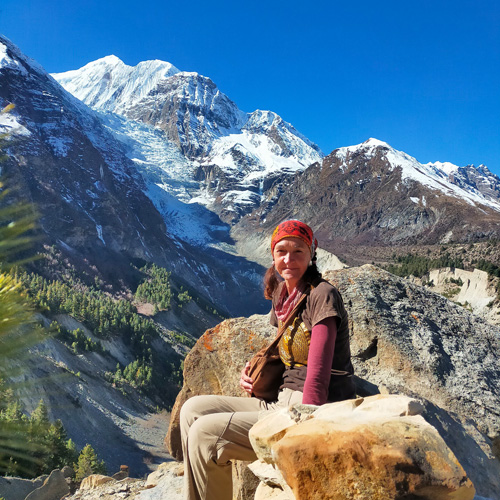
(15, 488)
(67, 471)
(53, 488)
(167, 484)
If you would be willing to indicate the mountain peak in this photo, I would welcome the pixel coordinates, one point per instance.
(372, 142)
(16, 59)
(446, 167)
(111, 59)
(262, 118)
(367, 148)
(119, 86)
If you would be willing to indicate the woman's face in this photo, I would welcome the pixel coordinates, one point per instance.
(291, 258)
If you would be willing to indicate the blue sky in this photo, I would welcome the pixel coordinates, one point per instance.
(423, 76)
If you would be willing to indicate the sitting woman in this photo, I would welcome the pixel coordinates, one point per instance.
(314, 349)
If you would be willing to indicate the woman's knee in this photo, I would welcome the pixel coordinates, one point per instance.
(205, 434)
(193, 409)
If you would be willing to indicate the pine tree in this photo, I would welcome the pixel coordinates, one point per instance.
(40, 415)
(71, 452)
(88, 464)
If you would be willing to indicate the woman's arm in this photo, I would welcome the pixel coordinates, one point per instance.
(319, 362)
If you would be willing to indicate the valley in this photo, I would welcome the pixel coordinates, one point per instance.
(155, 198)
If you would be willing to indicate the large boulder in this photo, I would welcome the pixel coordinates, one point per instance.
(53, 488)
(16, 488)
(214, 364)
(377, 448)
(405, 339)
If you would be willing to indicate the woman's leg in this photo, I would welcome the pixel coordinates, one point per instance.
(214, 430)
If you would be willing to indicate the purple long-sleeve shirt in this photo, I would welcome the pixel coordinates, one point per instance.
(319, 362)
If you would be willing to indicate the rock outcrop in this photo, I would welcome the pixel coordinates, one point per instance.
(16, 488)
(475, 289)
(53, 488)
(94, 481)
(127, 488)
(406, 340)
(377, 448)
(165, 483)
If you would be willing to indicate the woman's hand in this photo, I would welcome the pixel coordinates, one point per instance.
(246, 383)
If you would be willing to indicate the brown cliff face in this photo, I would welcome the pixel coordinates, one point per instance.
(405, 339)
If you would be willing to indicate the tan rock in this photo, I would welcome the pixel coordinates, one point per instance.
(371, 454)
(164, 469)
(269, 431)
(266, 492)
(94, 481)
(266, 473)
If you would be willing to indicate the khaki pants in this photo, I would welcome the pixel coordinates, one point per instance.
(214, 431)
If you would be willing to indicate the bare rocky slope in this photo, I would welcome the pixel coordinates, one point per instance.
(112, 417)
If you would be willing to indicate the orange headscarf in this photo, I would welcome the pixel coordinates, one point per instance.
(294, 229)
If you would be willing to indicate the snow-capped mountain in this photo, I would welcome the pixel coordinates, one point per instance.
(471, 178)
(245, 152)
(67, 162)
(111, 85)
(373, 195)
(207, 166)
(478, 186)
(94, 205)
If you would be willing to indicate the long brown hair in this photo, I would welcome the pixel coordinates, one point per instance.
(271, 280)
